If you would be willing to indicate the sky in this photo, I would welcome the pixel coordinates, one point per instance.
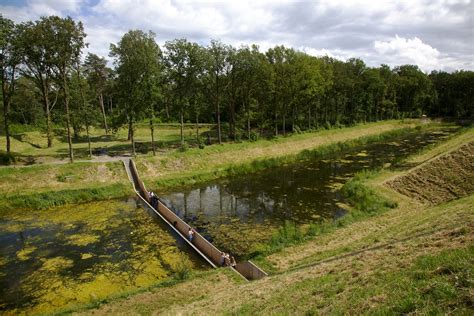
(433, 34)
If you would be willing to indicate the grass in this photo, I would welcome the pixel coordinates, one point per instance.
(413, 259)
(30, 144)
(45, 200)
(41, 186)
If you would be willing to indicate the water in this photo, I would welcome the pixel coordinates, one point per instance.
(76, 254)
(239, 212)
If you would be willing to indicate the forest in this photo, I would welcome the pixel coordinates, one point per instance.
(48, 82)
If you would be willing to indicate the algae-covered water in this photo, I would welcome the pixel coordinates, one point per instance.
(239, 212)
(78, 254)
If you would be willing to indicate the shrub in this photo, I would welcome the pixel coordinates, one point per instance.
(6, 158)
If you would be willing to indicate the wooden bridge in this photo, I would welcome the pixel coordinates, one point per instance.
(200, 244)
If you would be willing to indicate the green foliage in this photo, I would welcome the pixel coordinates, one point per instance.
(184, 147)
(362, 197)
(7, 158)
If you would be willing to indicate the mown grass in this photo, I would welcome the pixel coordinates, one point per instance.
(29, 143)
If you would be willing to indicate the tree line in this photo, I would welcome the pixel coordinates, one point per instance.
(247, 93)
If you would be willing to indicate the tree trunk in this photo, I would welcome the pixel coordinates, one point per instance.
(111, 105)
(47, 110)
(152, 130)
(293, 119)
(182, 126)
(68, 119)
(276, 124)
(101, 102)
(197, 128)
(83, 99)
(219, 123)
(248, 122)
(89, 140)
(6, 110)
(232, 120)
(218, 110)
(309, 118)
(284, 124)
(130, 134)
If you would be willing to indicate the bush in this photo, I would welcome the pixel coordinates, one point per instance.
(7, 159)
(184, 147)
(362, 197)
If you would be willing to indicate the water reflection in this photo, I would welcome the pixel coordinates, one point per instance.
(303, 192)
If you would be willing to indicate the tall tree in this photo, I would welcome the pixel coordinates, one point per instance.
(218, 53)
(36, 49)
(66, 50)
(9, 61)
(184, 66)
(137, 60)
(97, 73)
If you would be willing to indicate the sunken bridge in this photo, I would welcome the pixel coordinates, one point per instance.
(199, 244)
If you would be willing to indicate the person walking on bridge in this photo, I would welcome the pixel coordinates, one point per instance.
(191, 234)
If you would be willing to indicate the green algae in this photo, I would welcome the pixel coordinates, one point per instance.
(83, 239)
(24, 254)
(85, 256)
(80, 254)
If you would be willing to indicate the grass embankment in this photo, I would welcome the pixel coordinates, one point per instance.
(43, 186)
(416, 258)
(199, 165)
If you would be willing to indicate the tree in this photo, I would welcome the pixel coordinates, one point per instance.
(413, 89)
(66, 50)
(184, 66)
(35, 46)
(97, 73)
(137, 60)
(218, 53)
(9, 61)
(84, 113)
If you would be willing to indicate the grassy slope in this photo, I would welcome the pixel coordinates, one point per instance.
(49, 185)
(415, 258)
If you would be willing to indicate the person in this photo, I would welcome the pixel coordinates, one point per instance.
(190, 234)
(222, 259)
(232, 262)
(151, 196)
(227, 260)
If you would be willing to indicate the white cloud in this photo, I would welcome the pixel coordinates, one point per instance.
(337, 28)
(399, 50)
(333, 53)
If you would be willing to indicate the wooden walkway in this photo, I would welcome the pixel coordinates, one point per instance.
(201, 245)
